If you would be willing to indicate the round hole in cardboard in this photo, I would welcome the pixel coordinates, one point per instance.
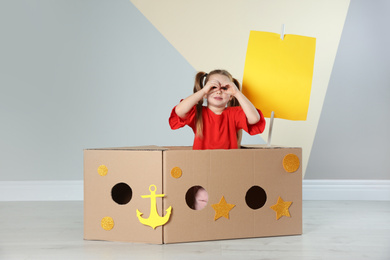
(255, 197)
(121, 193)
(197, 197)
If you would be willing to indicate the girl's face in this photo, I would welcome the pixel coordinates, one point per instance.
(217, 97)
(201, 199)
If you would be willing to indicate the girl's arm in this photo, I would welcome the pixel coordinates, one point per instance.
(188, 103)
(249, 109)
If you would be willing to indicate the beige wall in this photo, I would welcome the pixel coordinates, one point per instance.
(214, 34)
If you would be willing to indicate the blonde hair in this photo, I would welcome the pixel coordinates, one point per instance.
(201, 79)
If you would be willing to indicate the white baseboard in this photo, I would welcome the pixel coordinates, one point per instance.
(312, 190)
(346, 190)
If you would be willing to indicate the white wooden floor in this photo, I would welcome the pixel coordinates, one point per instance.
(332, 230)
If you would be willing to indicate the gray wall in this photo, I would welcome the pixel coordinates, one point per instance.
(83, 74)
(352, 139)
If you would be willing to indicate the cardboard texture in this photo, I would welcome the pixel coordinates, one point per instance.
(222, 173)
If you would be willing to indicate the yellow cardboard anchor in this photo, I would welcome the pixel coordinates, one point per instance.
(154, 220)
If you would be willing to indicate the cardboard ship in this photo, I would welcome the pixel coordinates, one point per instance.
(138, 194)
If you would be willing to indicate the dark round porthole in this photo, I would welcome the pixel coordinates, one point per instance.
(121, 193)
(255, 197)
(197, 197)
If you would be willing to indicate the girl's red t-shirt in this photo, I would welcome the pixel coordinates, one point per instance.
(219, 131)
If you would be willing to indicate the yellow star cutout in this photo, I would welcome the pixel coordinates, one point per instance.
(281, 208)
(222, 209)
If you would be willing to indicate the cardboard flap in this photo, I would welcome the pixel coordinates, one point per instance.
(134, 148)
(264, 146)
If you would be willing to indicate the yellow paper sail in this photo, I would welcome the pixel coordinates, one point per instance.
(278, 74)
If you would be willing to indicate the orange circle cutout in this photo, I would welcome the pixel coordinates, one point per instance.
(176, 172)
(291, 163)
(107, 223)
(102, 170)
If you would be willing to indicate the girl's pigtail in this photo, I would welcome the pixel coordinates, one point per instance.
(200, 78)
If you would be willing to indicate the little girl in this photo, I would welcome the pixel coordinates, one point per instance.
(217, 125)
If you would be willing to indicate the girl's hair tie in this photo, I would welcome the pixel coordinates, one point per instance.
(202, 79)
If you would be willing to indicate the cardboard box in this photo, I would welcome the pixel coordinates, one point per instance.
(259, 181)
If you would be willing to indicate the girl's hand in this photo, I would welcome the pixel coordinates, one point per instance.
(229, 88)
(210, 85)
